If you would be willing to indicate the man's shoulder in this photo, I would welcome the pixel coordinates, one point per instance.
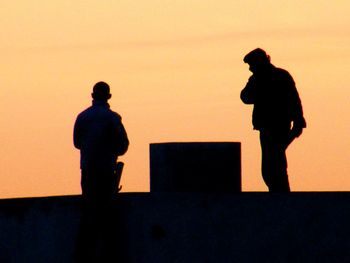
(85, 112)
(115, 114)
(282, 72)
(99, 112)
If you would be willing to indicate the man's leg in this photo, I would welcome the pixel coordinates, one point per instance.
(98, 186)
(274, 161)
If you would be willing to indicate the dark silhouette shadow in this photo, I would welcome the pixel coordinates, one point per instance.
(102, 235)
(211, 167)
(277, 114)
(101, 137)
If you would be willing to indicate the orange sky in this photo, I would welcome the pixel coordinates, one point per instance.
(176, 71)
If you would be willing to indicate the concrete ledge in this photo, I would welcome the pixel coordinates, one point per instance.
(186, 227)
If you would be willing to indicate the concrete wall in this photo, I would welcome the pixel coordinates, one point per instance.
(38, 229)
(175, 227)
(195, 167)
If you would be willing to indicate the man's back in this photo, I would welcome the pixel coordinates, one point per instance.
(100, 136)
(275, 98)
(277, 114)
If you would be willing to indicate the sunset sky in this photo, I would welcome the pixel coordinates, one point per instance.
(175, 69)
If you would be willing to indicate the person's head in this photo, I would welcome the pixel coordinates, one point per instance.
(101, 91)
(257, 60)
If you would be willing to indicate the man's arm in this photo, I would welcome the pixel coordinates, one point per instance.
(248, 93)
(76, 134)
(296, 108)
(122, 141)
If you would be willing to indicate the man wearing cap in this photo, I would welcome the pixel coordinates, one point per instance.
(277, 114)
(101, 137)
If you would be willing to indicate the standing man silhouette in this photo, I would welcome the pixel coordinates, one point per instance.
(101, 137)
(277, 114)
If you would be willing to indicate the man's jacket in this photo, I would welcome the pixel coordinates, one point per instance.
(275, 98)
(100, 136)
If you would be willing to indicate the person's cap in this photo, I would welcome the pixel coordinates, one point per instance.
(101, 90)
(257, 54)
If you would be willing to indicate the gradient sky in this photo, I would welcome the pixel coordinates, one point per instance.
(176, 71)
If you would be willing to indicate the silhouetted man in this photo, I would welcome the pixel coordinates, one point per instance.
(277, 114)
(100, 136)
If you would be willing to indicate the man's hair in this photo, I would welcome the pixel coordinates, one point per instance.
(256, 55)
(101, 91)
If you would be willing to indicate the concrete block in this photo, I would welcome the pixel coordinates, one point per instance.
(195, 167)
